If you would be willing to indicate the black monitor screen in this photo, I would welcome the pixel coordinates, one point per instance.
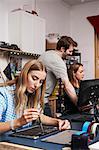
(88, 92)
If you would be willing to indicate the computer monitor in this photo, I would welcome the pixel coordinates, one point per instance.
(88, 92)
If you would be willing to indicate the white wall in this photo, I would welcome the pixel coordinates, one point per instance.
(83, 32)
(57, 15)
(55, 12)
(3, 22)
(3, 34)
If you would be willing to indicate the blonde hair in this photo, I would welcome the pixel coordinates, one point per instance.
(21, 98)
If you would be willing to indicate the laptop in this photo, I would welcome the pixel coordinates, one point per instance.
(88, 100)
(88, 92)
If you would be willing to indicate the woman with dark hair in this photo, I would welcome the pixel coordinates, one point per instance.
(75, 74)
(21, 99)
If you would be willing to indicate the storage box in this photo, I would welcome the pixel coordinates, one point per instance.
(50, 45)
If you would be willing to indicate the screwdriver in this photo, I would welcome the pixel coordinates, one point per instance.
(41, 125)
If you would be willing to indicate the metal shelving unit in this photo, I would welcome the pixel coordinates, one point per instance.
(76, 57)
(15, 61)
(12, 52)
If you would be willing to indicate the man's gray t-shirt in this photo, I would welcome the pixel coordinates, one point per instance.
(56, 68)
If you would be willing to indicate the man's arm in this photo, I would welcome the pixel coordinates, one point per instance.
(69, 89)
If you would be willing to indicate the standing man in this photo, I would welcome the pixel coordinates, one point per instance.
(56, 69)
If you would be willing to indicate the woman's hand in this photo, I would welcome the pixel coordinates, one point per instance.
(86, 108)
(64, 124)
(30, 115)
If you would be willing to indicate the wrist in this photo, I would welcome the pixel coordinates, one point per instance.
(21, 121)
(58, 120)
(12, 125)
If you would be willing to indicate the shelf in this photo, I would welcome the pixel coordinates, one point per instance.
(12, 52)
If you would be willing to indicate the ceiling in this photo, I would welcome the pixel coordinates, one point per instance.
(69, 2)
(76, 2)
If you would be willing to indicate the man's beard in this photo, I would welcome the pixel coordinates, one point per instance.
(64, 56)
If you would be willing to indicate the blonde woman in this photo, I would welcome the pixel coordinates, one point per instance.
(21, 100)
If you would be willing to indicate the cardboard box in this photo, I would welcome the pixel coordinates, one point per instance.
(50, 45)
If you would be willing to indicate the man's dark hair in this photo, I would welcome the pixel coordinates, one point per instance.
(65, 42)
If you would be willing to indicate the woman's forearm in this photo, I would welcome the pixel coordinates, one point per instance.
(61, 124)
(70, 92)
(11, 125)
(49, 120)
(5, 126)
